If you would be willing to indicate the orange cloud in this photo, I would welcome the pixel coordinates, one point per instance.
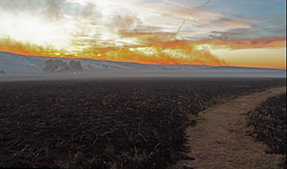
(154, 48)
(154, 51)
(9, 45)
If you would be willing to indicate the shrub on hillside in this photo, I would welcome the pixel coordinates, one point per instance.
(75, 65)
(2, 72)
(59, 66)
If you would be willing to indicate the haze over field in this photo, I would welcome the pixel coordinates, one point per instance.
(21, 67)
(246, 33)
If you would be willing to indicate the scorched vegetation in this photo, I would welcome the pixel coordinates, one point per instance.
(107, 123)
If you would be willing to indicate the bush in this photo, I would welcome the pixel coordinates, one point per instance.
(2, 72)
(59, 66)
(75, 65)
(90, 66)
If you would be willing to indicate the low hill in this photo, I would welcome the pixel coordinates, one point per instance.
(14, 64)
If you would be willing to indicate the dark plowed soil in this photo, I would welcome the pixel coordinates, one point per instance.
(269, 121)
(108, 123)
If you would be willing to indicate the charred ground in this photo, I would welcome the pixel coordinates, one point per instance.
(269, 121)
(107, 123)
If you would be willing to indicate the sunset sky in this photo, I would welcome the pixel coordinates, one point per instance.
(248, 33)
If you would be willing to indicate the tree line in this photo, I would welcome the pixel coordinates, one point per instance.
(59, 66)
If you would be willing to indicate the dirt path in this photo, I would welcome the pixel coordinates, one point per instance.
(220, 138)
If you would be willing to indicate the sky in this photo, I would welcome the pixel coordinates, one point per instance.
(248, 33)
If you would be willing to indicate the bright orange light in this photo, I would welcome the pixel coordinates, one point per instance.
(156, 49)
(153, 51)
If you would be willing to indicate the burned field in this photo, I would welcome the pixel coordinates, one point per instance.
(107, 123)
(269, 121)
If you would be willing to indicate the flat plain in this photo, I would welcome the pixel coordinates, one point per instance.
(122, 123)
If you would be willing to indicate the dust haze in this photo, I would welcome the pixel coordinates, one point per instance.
(148, 74)
(26, 68)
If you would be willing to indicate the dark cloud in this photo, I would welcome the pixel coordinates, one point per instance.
(267, 40)
(241, 40)
(231, 35)
(256, 35)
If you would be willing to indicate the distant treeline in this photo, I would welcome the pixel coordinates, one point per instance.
(59, 66)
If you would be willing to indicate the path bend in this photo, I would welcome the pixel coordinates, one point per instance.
(220, 139)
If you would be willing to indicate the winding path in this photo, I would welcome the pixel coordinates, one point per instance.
(220, 139)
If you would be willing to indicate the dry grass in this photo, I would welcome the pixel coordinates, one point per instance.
(220, 139)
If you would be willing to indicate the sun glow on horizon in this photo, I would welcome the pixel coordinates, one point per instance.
(133, 31)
